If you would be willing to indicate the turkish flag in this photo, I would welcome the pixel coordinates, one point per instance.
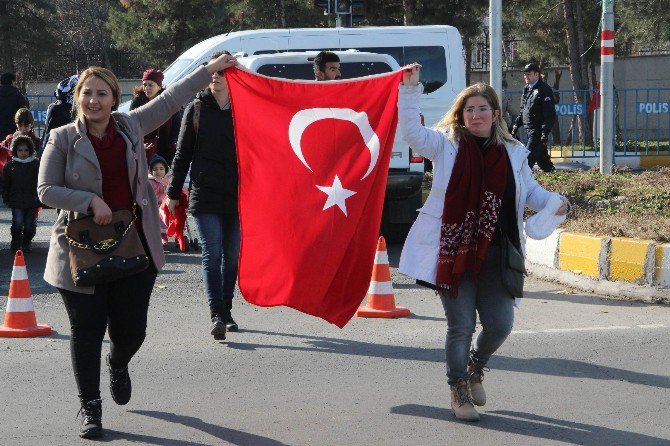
(313, 161)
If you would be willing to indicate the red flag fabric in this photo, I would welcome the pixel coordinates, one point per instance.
(313, 161)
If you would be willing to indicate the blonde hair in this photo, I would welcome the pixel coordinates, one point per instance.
(101, 73)
(452, 122)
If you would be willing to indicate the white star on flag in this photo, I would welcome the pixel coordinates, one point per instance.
(336, 195)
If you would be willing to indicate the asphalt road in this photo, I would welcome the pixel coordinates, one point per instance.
(578, 369)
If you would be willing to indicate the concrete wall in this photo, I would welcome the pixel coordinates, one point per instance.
(629, 72)
(633, 124)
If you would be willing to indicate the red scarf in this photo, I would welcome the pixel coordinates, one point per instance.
(471, 206)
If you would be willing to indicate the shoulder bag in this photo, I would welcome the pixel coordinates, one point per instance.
(513, 267)
(104, 253)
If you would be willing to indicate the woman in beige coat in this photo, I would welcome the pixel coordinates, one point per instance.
(97, 165)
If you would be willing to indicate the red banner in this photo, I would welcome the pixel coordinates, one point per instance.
(313, 161)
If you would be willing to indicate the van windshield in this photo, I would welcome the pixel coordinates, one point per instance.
(305, 71)
(170, 74)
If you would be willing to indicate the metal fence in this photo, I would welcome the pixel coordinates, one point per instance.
(641, 120)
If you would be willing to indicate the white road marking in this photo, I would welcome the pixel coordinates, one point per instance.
(574, 329)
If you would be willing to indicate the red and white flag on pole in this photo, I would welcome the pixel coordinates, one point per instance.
(313, 161)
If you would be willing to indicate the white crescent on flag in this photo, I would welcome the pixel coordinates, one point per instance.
(304, 118)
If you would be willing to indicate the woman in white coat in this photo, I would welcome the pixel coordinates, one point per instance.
(481, 186)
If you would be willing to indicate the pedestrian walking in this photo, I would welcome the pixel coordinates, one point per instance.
(20, 192)
(24, 122)
(159, 179)
(207, 146)
(59, 112)
(97, 165)
(11, 99)
(163, 140)
(537, 115)
(481, 186)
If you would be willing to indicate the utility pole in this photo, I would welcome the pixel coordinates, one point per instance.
(495, 46)
(607, 89)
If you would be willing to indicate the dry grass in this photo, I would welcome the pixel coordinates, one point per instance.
(625, 204)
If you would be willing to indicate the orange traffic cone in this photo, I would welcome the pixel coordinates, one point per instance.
(381, 302)
(20, 319)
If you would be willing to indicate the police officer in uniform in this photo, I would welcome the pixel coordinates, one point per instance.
(537, 115)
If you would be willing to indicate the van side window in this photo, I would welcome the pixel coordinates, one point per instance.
(305, 71)
(432, 59)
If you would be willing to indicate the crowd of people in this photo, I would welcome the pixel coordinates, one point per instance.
(94, 161)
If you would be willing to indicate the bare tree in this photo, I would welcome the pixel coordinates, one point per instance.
(408, 7)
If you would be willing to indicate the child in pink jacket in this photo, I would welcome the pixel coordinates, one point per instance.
(159, 178)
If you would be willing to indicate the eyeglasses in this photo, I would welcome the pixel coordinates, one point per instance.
(480, 110)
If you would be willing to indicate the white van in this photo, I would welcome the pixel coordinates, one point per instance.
(437, 48)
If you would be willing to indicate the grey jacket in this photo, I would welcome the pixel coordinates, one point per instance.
(70, 175)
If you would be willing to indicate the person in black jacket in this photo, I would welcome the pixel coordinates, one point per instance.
(163, 140)
(207, 145)
(11, 99)
(20, 191)
(537, 115)
(60, 113)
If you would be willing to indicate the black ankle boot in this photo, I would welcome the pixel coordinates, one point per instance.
(231, 325)
(119, 383)
(91, 423)
(17, 238)
(218, 327)
(28, 235)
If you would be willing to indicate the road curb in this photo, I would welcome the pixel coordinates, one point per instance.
(618, 267)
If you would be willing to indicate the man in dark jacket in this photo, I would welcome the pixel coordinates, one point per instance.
(11, 99)
(537, 114)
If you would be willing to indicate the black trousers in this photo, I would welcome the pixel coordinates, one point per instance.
(538, 150)
(119, 307)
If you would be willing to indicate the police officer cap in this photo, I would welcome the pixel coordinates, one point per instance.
(531, 67)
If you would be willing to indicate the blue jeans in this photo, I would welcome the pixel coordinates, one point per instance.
(220, 241)
(23, 220)
(487, 296)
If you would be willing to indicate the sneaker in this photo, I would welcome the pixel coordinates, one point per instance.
(119, 383)
(91, 423)
(461, 403)
(218, 328)
(231, 325)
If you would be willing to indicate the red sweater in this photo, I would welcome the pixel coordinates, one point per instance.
(111, 153)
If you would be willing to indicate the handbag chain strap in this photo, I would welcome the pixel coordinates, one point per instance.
(104, 244)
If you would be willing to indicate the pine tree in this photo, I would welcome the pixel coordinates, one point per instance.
(24, 31)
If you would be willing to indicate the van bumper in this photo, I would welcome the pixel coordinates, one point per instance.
(403, 197)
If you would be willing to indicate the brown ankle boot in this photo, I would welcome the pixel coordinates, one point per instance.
(477, 392)
(461, 404)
